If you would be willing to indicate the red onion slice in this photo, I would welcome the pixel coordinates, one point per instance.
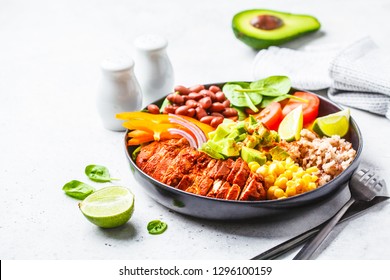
(199, 135)
(185, 134)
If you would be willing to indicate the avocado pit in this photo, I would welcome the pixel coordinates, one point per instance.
(266, 22)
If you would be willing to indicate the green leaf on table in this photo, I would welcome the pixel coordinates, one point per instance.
(156, 227)
(77, 189)
(98, 173)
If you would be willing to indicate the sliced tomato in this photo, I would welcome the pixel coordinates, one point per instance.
(310, 108)
(271, 116)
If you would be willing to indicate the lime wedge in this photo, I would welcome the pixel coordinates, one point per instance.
(108, 207)
(291, 125)
(332, 124)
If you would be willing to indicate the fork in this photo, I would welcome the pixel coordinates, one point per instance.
(364, 186)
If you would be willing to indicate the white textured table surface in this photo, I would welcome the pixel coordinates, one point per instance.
(49, 70)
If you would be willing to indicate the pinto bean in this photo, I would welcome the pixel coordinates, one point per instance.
(214, 89)
(229, 112)
(211, 95)
(182, 110)
(226, 103)
(182, 90)
(191, 112)
(194, 95)
(176, 98)
(153, 109)
(220, 96)
(217, 107)
(170, 109)
(207, 119)
(215, 114)
(191, 103)
(200, 112)
(196, 88)
(235, 118)
(216, 121)
(205, 102)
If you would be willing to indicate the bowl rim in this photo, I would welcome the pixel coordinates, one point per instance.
(266, 202)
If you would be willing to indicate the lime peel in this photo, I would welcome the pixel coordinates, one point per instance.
(332, 124)
(108, 207)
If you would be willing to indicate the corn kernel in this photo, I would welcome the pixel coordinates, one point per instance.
(314, 178)
(269, 180)
(270, 192)
(279, 168)
(306, 178)
(289, 174)
(262, 170)
(278, 193)
(253, 166)
(313, 169)
(281, 182)
(291, 191)
(311, 186)
(290, 184)
(294, 168)
(273, 168)
(289, 161)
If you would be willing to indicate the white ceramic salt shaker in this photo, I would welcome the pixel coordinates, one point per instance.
(119, 91)
(154, 69)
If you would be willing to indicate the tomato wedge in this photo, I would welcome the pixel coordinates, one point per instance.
(271, 116)
(310, 108)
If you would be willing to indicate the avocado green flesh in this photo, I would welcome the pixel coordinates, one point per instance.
(294, 26)
(250, 155)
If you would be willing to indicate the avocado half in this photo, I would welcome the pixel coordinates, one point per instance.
(260, 29)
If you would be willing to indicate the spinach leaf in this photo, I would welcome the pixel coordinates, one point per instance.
(272, 86)
(242, 84)
(156, 227)
(77, 189)
(261, 92)
(98, 173)
(255, 97)
(268, 100)
(231, 94)
(241, 113)
(238, 98)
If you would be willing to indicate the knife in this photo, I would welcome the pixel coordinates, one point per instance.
(356, 208)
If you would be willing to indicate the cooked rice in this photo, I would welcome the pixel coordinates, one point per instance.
(332, 155)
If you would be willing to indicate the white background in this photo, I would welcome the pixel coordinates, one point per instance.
(49, 128)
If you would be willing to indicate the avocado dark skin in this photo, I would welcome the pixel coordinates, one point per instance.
(260, 29)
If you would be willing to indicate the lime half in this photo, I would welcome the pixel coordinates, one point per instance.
(291, 125)
(108, 207)
(332, 124)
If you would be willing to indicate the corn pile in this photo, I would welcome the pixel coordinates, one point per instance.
(286, 178)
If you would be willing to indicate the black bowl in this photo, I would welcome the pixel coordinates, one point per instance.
(219, 209)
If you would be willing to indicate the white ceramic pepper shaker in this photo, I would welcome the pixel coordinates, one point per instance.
(154, 69)
(119, 91)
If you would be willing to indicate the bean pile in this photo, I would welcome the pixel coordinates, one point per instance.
(210, 106)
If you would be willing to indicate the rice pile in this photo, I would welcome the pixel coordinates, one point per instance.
(332, 155)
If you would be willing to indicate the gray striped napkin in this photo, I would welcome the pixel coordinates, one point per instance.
(361, 78)
(357, 76)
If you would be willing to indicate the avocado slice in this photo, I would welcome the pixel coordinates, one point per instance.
(249, 155)
(260, 29)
